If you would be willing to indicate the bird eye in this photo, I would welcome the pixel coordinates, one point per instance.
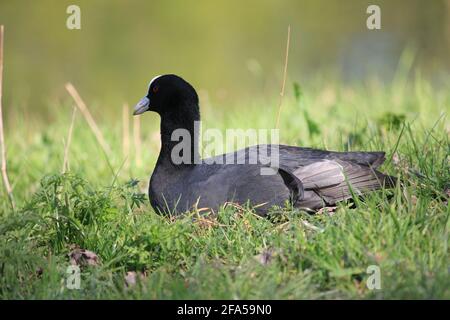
(155, 89)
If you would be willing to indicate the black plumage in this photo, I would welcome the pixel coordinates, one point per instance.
(306, 178)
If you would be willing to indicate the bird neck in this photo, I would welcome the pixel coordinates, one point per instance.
(179, 138)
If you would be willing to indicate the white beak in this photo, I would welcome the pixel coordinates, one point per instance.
(142, 106)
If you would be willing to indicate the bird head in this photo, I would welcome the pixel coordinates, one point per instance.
(168, 95)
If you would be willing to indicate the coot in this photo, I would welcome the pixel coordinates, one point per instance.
(304, 178)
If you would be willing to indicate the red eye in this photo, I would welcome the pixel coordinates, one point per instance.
(155, 89)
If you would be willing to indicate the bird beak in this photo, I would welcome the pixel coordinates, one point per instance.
(142, 106)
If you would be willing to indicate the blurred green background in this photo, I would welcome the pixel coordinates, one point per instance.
(229, 51)
(355, 89)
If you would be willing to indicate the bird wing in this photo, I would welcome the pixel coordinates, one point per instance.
(326, 177)
(327, 182)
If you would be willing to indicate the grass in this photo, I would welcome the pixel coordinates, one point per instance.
(100, 206)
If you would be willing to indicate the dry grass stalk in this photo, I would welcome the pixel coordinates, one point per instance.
(2, 136)
(87, 115)
(65, 167)
(284, 76)
(137, 140)
(126, 134)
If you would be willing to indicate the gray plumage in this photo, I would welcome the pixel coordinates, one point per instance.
(307, 178)
(304, 177)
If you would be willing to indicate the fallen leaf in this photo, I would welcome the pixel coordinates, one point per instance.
(328, 210)
(132, 276)
(396, 159)
(83, 257)
(311, 226)
(267, 255)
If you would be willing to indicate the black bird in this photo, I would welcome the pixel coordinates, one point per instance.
(304, 178)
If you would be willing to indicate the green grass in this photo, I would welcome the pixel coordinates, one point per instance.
(99, 206)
